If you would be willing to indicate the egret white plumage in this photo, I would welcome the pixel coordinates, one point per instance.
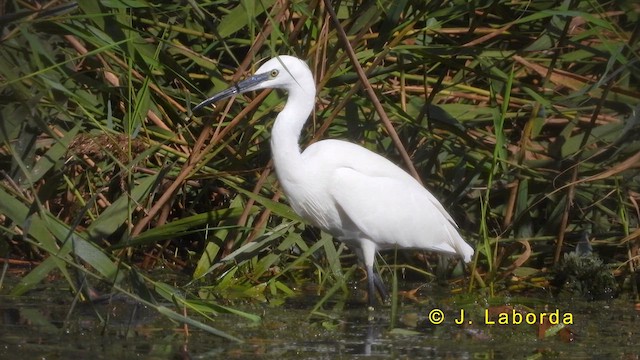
(354, 194)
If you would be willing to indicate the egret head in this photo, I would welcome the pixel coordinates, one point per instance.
(281, 72)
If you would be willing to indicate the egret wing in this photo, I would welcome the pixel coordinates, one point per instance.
(391, 210)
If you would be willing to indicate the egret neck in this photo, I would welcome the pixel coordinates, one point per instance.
(285, 135)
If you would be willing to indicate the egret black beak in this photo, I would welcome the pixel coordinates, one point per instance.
(240, 87)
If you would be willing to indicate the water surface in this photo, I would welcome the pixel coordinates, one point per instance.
(47, 325)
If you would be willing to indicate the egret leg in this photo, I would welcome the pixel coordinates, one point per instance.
(374, 282)
(382, 290)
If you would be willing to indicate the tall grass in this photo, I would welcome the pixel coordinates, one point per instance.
(522, 118)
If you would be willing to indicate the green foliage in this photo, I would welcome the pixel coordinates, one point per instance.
(584, 276)
(522, 117)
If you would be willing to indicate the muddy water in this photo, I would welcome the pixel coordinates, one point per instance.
(47, 326)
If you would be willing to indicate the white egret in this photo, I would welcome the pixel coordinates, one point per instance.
(354, 194)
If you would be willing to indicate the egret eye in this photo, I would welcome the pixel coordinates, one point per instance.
(274, 73)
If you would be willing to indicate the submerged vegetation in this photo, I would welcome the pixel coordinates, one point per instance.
(521, 117)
